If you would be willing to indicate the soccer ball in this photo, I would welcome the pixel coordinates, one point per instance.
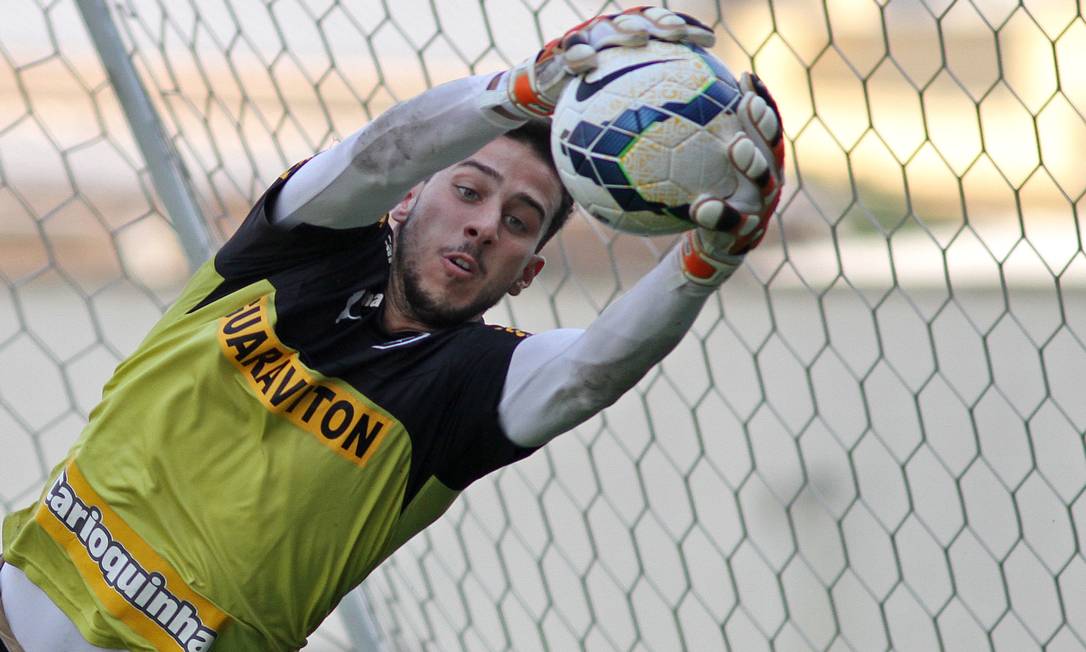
(646, 132)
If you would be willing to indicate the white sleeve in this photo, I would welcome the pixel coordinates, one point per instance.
(359, 179)
(560, 378)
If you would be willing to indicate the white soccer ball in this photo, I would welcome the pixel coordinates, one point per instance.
(642, 135)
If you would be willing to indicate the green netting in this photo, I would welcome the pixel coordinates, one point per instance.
(870, 439)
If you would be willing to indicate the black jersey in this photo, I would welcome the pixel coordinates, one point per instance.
(442, 386)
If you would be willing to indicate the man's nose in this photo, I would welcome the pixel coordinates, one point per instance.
(483, 226)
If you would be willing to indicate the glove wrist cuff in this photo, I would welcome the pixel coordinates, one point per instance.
(701, 267)
(524, 98)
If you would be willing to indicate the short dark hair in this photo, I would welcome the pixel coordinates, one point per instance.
(536, 134)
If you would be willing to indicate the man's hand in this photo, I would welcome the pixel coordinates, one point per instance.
(729, 227)
(533, 86)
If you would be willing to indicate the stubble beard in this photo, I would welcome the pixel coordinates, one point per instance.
(414, 300)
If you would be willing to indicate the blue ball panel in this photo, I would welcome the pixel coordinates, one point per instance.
(610, 172)
(584, 134)
(699, 110)
(582, 165)
(723, 94)
(639, 119)
(612, 142)
(682, 212)
(629, 199)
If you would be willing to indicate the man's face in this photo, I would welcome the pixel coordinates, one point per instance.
(468, 235)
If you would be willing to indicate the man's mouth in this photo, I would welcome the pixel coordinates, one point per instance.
(462, 262)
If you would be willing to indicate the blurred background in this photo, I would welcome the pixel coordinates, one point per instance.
(873, 436)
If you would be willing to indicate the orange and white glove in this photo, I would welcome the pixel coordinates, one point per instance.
(534, 85)
(729, 227)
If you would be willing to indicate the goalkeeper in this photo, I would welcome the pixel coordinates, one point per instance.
(325, 387)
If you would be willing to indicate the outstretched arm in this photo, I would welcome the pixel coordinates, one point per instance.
(359, 179)
(560, 378)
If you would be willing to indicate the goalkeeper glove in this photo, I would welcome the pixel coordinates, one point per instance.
(533, 86)
(730, 226)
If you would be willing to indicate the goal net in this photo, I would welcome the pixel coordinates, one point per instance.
(872, 436)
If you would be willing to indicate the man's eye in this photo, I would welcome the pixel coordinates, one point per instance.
(516, 223)
(467, 193)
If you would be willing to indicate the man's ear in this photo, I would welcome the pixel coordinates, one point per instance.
(400, 212)
(530, 271)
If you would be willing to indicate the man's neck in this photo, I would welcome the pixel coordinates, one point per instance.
(394, 320)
